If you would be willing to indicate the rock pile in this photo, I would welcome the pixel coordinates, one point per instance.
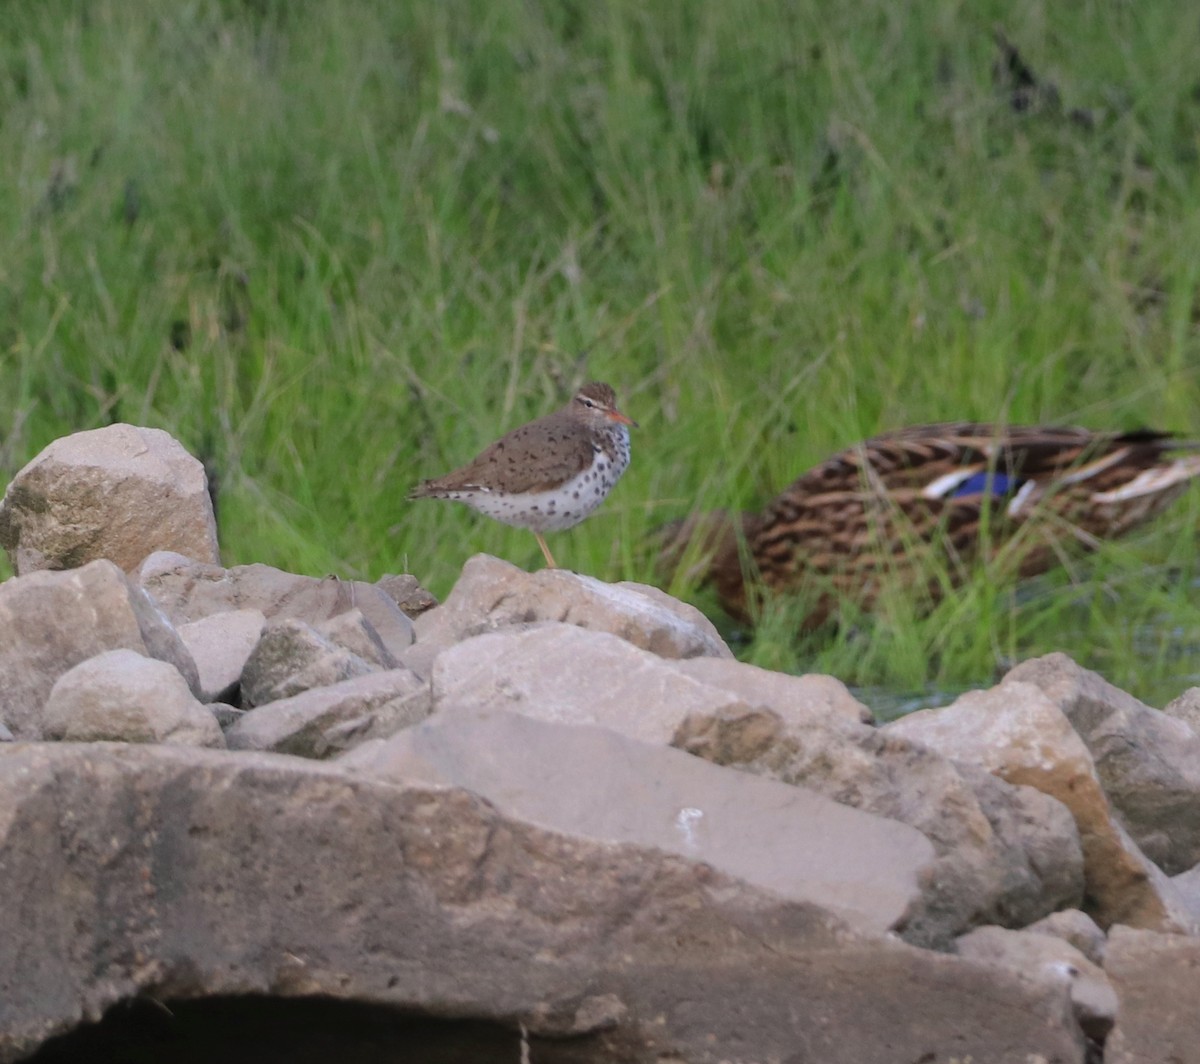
(555, 805)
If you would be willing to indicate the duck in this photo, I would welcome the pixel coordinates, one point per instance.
(922, 506)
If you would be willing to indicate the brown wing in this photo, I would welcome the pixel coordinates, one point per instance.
(535, 457)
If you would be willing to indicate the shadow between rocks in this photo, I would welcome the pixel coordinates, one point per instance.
(268, 1030)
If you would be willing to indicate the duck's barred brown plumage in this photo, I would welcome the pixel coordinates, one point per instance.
(930, 500)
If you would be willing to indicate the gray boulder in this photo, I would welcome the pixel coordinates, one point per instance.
(221, 645)
(1148, 762)
(1155, 977)
(185, 874)
(51, 621)
(1005, 854)
(1017, 733)
(492, 595)
(122, 696)
(591, 782)
(119, 492)
(292, 657)
(188, 591)
(327, 721)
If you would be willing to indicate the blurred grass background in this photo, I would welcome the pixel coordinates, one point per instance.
(335, 248)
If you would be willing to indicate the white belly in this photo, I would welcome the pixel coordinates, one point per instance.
(564, 507)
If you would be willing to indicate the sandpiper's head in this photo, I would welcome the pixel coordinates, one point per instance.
(597, 403)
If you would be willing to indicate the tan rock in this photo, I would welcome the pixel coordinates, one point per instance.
(1056, 964)
(1186, 708)
(1005, 854)
(779, 691)
(119, 492)
(405, 590)
(220, 645)
(1077, 928)
(1157, 979)
(187, 591)
(353, 632)
(1148, 762)
(492, 595)
(292, 657)
(121, 696)
(51, 621)
(192, 874)
(560, 672)
(326, 721)
(1017, 733)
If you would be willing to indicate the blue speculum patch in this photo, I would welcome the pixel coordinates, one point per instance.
(998, 485)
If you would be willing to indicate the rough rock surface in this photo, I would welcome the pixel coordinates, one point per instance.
(492, 595)
(176, 873)
(1157, 980)
(1148, 762)
(1006, 854)
(122, 696)
(1186, 708)
(1016, 732)
(591, 782)
(406, 591)
(187, 591)
(1054, 961)
(51, 621)
(560, 672)
(292, 657)
(810, 694)
(329, 720)
(353, 632)
(119, 492)
(221, 645)
(1077, 928)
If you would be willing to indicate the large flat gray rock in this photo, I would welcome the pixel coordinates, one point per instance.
(177, 873)
(592, 782)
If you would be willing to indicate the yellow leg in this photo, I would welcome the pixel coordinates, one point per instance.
(546, 551)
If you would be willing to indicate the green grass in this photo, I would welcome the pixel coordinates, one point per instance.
(338, 247)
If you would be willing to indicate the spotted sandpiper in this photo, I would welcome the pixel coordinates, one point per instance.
(547, 475)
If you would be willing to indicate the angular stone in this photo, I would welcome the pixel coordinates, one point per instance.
(326, 721)
(1054, 962)
(51, 621)
(591, 782)
(121, 696)
(1149, 762)
(1186, 708)
(183, 874)
(407, 593)
(353, 632)
(1077, 928)
(779, 691)
(560, 672)
(492, 595)
(119, 492)
(186, 591)
(1017, 733)
(1006, 854)
(1157, 981)
(221, 645)
(292, 657)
